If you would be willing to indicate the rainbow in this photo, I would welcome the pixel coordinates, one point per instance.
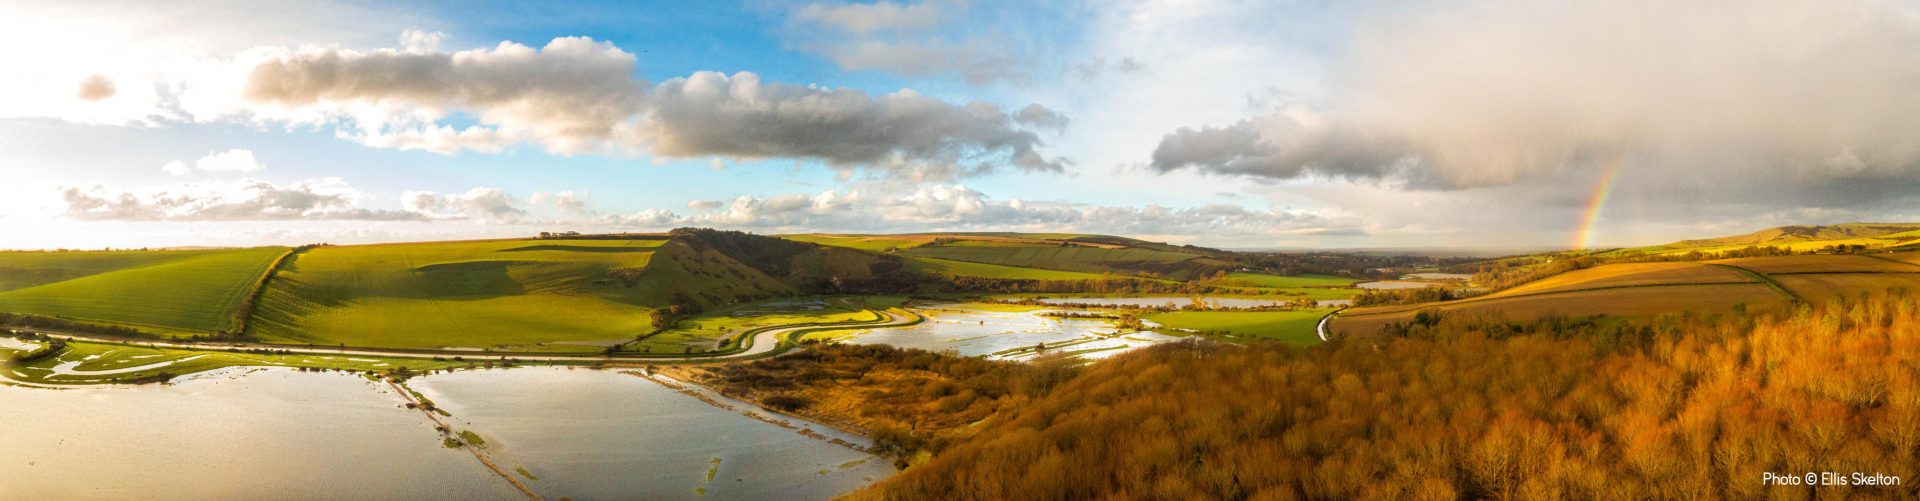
(1583, 236)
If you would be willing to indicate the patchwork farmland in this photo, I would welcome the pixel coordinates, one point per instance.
(1646, 289)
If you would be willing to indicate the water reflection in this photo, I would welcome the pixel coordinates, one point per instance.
(976, 331)
(230, 435)
(281, 434)
(589, 434)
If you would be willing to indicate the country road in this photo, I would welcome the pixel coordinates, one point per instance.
(1321, 328)
(763, 342)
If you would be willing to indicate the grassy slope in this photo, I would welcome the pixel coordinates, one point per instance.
(165, 291)
(1296, 327)
(514, 294)
(874, 243)
(19, 270)
(1089, 254)
(704, 275)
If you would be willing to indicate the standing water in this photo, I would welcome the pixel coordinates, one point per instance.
(591, 434)
(230, 435)
(281, 434)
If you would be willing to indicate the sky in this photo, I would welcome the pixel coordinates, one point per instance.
(1273, 124)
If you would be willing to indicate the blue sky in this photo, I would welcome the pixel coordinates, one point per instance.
(1481, 123)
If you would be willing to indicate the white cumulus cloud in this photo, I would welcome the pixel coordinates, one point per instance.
(234, 160)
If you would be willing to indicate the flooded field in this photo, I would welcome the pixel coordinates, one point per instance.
(276, 433)
(332, 436)
(591, 434)
(979, 331)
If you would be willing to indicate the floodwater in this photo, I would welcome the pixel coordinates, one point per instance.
(282, 434)
(591, 434)
(974, 332)
(68, 369)
(224, 435)
(7, 343)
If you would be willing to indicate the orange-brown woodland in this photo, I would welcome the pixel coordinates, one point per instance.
(913, 403)
(1681, 407)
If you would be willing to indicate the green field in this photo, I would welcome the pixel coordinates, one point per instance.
(514, 295)
(1283, 282)
(983, 270)
(1294, 327)
(169, 292)
(874, 243)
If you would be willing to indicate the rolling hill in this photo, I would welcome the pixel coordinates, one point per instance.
(181, 292)
(1077, 253)
(561, 294)
(1802, 238)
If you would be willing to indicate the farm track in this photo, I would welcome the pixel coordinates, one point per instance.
(765, 341)
(1321, 328)
(1768, 279)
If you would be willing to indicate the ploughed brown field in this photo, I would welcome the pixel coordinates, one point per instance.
(1823, 287)
(1821, 264)
(1632, 274)
(1647, 289)
(1627, 301)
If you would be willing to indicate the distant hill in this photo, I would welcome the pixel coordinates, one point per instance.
(571, 292)
(1792, 234)
(1801, 238)
(1074, 253)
